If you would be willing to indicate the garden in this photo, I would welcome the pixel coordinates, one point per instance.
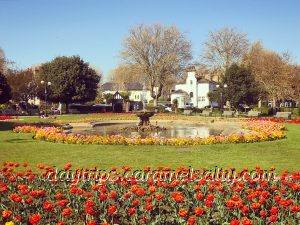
(52, 177)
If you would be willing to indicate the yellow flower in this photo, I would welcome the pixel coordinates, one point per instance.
(9, 223)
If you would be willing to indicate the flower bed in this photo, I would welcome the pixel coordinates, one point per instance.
(263, 131)
(277, 120)
(6, 118)
(190, 198)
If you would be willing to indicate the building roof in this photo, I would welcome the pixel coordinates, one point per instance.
(133, 86)
(201, 80)
(179, 91)
(108, 86)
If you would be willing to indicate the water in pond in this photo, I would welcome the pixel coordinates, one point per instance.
(173, 130)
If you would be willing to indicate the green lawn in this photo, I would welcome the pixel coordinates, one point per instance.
(283, 154)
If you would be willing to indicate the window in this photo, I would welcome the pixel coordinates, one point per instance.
(201, 99)
(191, 82)
(191, 94)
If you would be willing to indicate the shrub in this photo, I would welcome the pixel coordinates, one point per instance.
(294, 111)
(155, 108)
(196, 110)
(88, 109)
(265, 111)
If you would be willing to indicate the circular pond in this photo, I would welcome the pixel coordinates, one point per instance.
(173, 129)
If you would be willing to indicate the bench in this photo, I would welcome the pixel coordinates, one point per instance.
(206, 113)
(187, 112)
(283, 115)
(228, 113)
(253, 114)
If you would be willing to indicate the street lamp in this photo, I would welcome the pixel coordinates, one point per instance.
(46, 83)
(222, 87)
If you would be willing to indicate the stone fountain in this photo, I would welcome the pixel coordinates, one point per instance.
(144, 117)
(144, 123)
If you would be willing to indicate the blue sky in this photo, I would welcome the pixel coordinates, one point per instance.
(36, 31)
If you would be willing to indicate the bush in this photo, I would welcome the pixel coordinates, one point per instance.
(265, 111)
(294, 111)
(216, 110)
(4, 106)
(197, 110)
(88, 109)
(179, 111)
(155, 108)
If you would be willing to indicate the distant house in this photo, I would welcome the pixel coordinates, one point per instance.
(194, 91)
(137, 92)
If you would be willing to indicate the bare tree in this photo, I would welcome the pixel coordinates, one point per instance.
(126, 74)
(223, 48)
(272, 70)
(294, 83)
(2, 61)
(160, 53)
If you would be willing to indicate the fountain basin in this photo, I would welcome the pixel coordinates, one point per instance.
(169, 129)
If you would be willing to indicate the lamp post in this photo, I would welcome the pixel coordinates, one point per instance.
(222, 87)
(46, 83)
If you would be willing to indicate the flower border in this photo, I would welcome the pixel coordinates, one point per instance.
(262, 130)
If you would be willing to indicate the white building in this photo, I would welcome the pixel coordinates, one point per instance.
(194, 92)
(136, 91)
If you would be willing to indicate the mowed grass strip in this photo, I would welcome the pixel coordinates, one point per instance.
(283, 154)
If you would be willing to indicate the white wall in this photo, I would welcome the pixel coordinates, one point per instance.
(35, 101)
(135, 95)
(190, 86)
(140, 95)
(203, 90)
(181, 98)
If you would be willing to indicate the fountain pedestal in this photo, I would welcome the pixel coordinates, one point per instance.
(144, 118)
(144, 125)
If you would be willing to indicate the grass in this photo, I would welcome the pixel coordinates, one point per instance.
(283, 154)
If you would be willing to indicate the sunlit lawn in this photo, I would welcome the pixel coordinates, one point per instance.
(283, 154)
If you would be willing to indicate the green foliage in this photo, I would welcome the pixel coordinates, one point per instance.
(216, 110)
(179, 110)
(98, 100)
(108, 97)
(175, 103)
(215, 96)
(196, 110)
(4, 106)
(23, 85)
(73, 81)
(294, 111)
(125, 95)
(241, 86)
(265, 111)
(159, 109)
(5, 90)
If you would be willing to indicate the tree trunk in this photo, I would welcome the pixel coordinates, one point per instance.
(274, 105)
(155, 102)
(259, 104)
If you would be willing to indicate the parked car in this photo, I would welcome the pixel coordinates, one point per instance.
(169, 109)
(188, 105)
